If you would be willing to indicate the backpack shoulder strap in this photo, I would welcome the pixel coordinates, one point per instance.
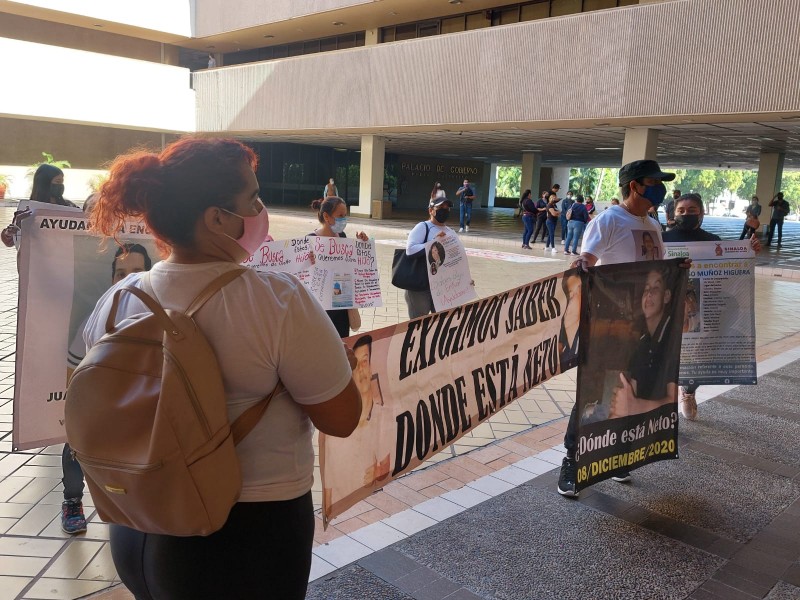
(211, 289)
(248, 419)
(147, 300)
(427, 231)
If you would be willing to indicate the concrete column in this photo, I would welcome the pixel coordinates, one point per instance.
(560, 177)
(640, 144)
(371, 37)
(531, 173)
(373, 150)
(770, 173)
(492, 184)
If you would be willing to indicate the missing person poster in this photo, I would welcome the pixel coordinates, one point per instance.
(719, 329)
(448, 272)
(339, 272)
(63, 271)
(628, 368)
(425, 383)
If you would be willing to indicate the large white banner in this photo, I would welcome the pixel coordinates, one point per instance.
(63, 271)
(427, 382)
(719, 329)
(339, 272)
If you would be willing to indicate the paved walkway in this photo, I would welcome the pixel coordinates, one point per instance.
(38, 561)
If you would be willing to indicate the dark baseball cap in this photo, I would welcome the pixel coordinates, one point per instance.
(639, 169)
(437, 202)
(556, 186)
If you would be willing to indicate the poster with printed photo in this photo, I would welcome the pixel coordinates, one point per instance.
(719, 329)
(63, 271)
(448, 273)
(627, 397)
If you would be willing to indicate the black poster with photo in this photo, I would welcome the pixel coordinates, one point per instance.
(628, 366)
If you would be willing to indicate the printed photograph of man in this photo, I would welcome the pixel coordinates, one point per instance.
(652, 377)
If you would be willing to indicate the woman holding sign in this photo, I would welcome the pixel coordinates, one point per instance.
(332, 214)
(421, 303)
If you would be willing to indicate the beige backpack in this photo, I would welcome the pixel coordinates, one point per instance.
(147, 419)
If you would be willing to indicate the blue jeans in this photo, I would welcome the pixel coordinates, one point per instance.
(574, 233)
(465, 213)
(551, 234)
(527, 221)
(563, 220)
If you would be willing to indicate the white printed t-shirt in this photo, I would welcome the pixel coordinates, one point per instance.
(262, 326)
(616, 236)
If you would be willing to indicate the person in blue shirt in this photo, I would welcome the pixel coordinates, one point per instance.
(578, 219)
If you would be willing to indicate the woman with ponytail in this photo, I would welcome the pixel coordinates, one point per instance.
(200, 199)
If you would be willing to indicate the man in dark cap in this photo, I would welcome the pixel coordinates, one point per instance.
(620, 234)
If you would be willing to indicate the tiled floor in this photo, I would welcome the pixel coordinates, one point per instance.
(38, 561)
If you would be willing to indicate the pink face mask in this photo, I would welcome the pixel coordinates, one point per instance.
(256, 229)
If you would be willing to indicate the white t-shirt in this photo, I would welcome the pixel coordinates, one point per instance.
(416, 239)
(262, 326)
(616, 236)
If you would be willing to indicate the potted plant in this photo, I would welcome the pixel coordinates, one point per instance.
(5, 181)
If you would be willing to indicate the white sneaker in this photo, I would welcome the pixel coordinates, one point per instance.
(553, 250)
(461, 230)
(467, 228)
(563, 242)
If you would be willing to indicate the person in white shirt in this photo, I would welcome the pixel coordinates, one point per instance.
(200, 198)
(617, 235)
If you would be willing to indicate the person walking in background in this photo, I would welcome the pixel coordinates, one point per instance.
(780, 210)
(552, 218)
(578, 218)
(420, 303)
(528, 216)
(437, 191)
(332, 215)
(590, 207)
(669, 209)
(330, 190)
(541, 216)
(751, 220)
(466, 195)
(212, 62)
(566, 203)
(200, 198)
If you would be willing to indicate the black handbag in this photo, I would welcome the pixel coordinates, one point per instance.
(410, 272)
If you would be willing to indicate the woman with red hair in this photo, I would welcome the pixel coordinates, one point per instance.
(200, 198)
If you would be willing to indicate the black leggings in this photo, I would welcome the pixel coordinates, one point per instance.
(263, 551)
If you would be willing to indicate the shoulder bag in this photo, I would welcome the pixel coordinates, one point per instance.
(410, 272)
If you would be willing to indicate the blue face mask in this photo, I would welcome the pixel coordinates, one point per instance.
(655, 193)
(339, 225)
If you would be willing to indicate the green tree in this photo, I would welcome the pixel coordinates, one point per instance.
(48, 160)
(790, 186)
(508, 182)
(583, 181)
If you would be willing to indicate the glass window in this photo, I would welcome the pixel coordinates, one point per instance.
(453, 24)
(281, 51)
(387, 34)
(361, 38)
(507, 16)
(598, 4)
(405, 32)
(327, 44)
(428, 29)
(628, 2)
(477, 21)
(311, 47)
(296, 49)
(346, 41)
(559, 8)
(531, 12)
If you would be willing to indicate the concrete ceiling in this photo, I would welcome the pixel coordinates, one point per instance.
(688, 146)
